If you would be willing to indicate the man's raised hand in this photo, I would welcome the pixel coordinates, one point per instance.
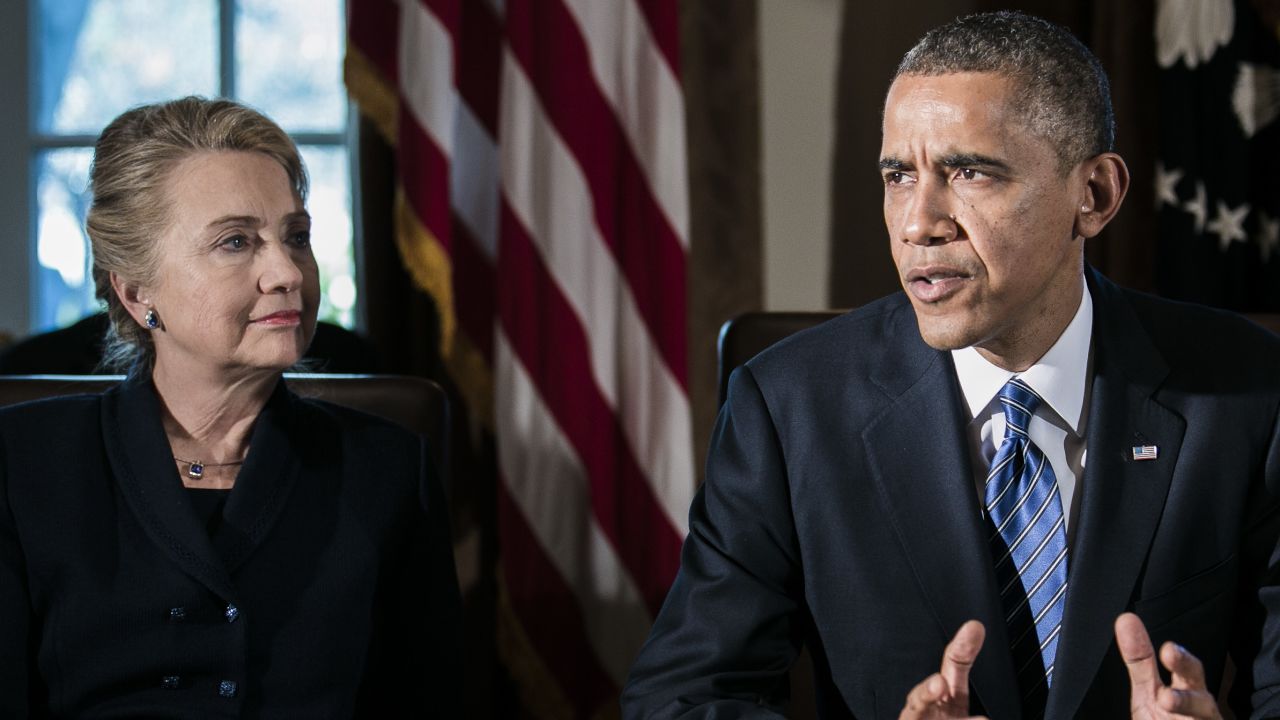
(1150, 698)
(945, 694)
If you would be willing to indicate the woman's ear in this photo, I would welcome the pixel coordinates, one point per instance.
(1106, 180)
(135, 298)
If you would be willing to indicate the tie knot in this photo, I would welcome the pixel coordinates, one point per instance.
(1019, 402)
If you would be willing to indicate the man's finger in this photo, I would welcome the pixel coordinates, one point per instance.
(959, 656)
(1139, 656)
(1187, 670)
(924, 697)
(1191, 703)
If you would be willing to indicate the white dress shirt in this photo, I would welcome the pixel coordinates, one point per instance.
(1062, 378)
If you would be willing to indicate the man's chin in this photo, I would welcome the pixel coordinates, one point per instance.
(943, 334)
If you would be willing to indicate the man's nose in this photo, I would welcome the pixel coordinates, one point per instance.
(930, 218)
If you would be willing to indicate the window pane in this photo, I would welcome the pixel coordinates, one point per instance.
(100, 57)
(64, 280)
(330, 206)
(289, 62)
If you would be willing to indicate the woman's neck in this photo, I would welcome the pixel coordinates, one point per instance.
(210, 417)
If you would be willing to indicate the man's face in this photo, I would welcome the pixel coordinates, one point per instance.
(980, 217)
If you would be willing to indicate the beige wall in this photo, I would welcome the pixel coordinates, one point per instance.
(798, 54)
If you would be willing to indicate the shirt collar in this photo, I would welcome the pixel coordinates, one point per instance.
(1059, 377)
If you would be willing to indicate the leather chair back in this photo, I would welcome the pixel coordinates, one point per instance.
(1270, 321)
(743, 337)
(415, 403)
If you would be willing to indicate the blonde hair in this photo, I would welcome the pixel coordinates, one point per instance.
(131, 209)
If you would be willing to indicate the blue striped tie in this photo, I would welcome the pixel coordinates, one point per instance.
(1028, 545)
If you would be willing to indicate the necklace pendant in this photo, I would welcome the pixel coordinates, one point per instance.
(195, 470)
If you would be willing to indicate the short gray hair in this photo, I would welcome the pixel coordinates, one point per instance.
(1061, 88)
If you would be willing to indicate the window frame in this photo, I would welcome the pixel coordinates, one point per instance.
(22, 142)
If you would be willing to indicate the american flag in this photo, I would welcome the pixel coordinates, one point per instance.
(1217, 194)
(1144, 452)
(542, 202)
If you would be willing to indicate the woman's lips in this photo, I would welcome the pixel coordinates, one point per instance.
(284, 318)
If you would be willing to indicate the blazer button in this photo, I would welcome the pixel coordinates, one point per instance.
(170, 682)
(177, 614)
(232, 612)
(227, 688)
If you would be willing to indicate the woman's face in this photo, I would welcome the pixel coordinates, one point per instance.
(237, 287)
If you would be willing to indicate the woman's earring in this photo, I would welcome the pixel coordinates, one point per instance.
(152, 319)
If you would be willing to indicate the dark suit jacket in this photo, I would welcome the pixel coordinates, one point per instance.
(334, 551)
(839, 510)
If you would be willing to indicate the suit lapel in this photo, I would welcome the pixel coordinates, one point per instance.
(268, 476)
(143, 466)
(142, 463)
(920, 462)
(1122, 498)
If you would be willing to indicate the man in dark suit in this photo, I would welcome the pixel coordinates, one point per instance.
(1015, 470)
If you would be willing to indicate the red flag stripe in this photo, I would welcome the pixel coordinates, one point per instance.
(424, 170)
(550, 343)
(447, 11)
(629, 219)
(549, 613)
(664, 23)
(375, 31)
(480, 62)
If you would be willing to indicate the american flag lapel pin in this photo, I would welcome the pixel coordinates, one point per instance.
(1145, 452)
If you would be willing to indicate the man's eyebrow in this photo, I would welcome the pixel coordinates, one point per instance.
(893, 163)
(973, 160)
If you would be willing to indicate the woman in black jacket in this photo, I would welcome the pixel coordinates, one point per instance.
(200, 542)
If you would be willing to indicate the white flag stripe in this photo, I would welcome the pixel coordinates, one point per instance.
(547, 482)
(425, 57)
(634, 77)
(547, 191)
(473, 182)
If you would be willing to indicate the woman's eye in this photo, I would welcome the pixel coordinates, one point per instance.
(235, 242)
(302, 238)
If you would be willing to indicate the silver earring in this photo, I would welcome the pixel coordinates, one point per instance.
(151, 319)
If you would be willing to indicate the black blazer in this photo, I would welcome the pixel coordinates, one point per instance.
(839, 511)
(328, 591)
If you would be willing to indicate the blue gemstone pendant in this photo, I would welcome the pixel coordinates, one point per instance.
(195, 470)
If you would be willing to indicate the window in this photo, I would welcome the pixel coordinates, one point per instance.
(92, 59)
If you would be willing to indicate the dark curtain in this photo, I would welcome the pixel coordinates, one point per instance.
(875, 36)
(720, 51)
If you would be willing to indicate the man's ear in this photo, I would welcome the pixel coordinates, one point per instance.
(135, 298)
(1106, 180)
